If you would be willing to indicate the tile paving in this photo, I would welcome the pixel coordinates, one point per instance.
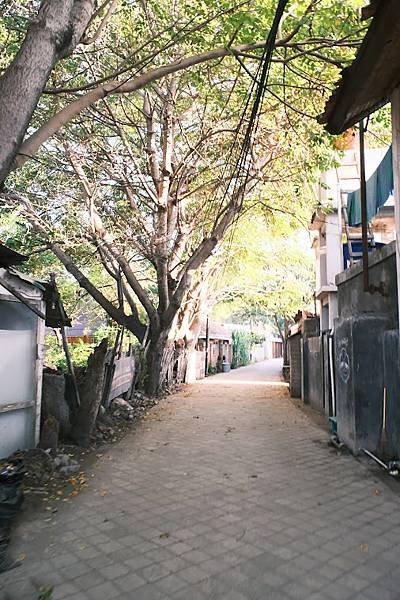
(226, 491)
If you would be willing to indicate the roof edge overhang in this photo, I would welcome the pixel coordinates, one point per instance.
(372, 77)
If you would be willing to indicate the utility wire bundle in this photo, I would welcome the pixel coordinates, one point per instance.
(256, 93)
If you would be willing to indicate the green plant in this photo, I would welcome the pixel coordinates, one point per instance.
(55, 356)
(45, 593)
(256, 338)
(241, 344)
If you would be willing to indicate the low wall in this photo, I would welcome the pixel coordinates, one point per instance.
(313, 366)
(196, 366)
(259, 352)
(295, 354)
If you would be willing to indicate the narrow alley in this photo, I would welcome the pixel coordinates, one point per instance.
(226, 491)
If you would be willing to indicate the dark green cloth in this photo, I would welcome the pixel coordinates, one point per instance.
(379, 188)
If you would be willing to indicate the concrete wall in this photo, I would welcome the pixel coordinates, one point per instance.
(352, 299)
(259, 352)
(195, 366)
(295, 380)
(360, 380)
(313, 368)
(366, 355)
(392, 383)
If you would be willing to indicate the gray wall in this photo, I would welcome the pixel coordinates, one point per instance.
(313, 373)
(360, 380)
(392, 382)
(295, 365)
(352, 299)
(365, 356)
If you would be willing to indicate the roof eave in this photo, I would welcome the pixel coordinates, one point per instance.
(372, 77)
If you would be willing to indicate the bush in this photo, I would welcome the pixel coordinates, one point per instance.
(54, 354)
(241, 344)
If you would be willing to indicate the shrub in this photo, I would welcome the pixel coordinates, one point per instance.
(54, 353)
(241, 344)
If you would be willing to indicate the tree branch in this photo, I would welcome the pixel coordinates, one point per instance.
(33, 143)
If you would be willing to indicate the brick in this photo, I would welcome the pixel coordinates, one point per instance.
(286, 534)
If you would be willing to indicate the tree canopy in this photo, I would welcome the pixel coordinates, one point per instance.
(124, 163)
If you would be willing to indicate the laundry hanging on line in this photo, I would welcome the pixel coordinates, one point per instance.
(379, 187)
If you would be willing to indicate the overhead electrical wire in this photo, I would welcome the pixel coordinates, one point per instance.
(241, 171)
(257, 91)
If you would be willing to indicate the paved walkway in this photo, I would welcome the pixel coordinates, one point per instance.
(228, 491)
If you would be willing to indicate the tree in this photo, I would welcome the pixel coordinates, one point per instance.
(142, 181)
(61, 25)
(53, 34)
(271, 284)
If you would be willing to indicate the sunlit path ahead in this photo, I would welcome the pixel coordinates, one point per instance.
(226, 491)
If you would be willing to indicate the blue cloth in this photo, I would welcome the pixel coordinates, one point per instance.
(379, 187)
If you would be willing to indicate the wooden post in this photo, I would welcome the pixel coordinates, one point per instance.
(396, 175)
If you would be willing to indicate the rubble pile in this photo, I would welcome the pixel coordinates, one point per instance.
(37, 465)
(111, 425)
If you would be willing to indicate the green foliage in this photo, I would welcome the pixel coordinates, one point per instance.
(46, 592)
(256, 338)
(269, 272)
(258, 268)
(55, 356)
(241, 346)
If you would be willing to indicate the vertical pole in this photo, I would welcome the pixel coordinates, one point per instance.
(70, 365)
(396, 175)
(207, 342)
(110, 369)
(364, 215)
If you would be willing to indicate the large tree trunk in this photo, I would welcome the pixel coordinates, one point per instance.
(55, 32)
(159, 355)
(90, 396)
